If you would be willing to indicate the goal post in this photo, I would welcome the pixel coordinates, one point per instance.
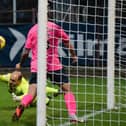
(111, 55)
(42, 41)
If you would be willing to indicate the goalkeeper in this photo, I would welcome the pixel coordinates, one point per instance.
(18, 85)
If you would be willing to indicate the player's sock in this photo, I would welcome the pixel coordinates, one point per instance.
(70, 103)
(26, 100)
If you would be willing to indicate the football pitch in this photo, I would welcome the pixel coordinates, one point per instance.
(91, 104)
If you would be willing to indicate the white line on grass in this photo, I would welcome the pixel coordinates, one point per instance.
(85, 117)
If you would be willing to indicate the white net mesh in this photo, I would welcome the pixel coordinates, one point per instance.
(86, 23)
(120, 52)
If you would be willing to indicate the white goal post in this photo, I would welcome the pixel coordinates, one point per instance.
(42, 44)
(111, 55)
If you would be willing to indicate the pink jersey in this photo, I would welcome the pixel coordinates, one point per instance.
(31, 43)
(55, 33)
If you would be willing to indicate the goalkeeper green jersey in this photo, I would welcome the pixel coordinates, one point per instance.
(22, 88)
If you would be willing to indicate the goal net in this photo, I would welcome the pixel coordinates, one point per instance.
(97, 29)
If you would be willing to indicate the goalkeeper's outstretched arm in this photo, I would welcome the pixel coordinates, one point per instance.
(5, 77)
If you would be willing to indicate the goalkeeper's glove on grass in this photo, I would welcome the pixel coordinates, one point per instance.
(15, 97)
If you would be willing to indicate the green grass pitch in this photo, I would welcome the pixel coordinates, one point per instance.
(91, 102)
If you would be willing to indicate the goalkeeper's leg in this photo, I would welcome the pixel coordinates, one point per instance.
(51, 90)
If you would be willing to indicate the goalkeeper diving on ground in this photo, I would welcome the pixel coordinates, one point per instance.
(18, 86)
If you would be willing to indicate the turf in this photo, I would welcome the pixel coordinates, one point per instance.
(91, 98)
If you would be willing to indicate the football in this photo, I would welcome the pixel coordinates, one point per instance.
(2, 42)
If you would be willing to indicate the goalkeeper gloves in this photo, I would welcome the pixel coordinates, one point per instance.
(15, 97)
